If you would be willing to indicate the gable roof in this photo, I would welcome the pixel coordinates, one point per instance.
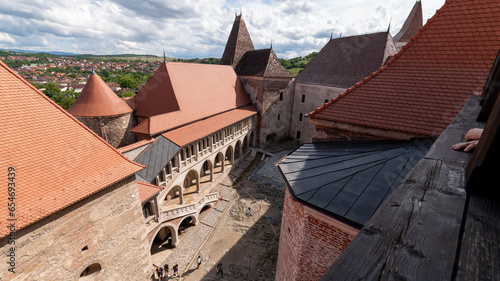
(147, 190)
(349, 180)
(344, 61)
(182, 93)
(58, 161)
(412, 24)
(238, 43)
(261, 63)
(97, 99)
(424, 87)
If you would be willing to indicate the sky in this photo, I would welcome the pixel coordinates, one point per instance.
(193, 29)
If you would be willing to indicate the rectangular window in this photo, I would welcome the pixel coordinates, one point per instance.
(281, 95)
(300, 116)
(303, 98)
(279, 116)
(298, 134)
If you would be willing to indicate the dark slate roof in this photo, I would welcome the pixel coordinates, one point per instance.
(349, 180)
(155, 157)
(261, 63)
(412, 24)
(238, 43)
(345, 61)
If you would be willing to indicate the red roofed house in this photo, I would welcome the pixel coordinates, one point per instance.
(195, 122)
(100, 109)
(415, 96)
(74, 203)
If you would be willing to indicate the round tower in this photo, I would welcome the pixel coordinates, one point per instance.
(100, 109)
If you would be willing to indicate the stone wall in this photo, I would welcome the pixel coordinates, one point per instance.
(274, 99)
(314, 97)
(106, 228)
(114, 129)
(309, 242)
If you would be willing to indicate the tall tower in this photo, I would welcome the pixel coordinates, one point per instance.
(239, 43)
(413, 23)
(100, 109)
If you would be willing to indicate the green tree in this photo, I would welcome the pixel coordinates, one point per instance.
(51, 89)
(127, 94)
(128, 82)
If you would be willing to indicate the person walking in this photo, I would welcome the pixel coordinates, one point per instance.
(176, 269)
(198, 261)
(165, 267)
(219, 270)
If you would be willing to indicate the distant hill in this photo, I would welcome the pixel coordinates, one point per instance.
(296, 65)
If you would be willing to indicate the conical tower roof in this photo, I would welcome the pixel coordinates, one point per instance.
(97, 100)
(238, 43)
(412, 24)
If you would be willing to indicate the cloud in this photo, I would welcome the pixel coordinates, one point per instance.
(192, 28)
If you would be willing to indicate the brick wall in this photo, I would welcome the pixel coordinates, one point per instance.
(309, 242)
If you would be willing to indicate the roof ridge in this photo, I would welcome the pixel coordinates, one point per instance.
(2, 64)
(382, 68)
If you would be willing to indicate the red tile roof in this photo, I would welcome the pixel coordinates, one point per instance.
(203, 128)
(58, 161)
(424, 87)
(135, 145)
(97, 99)
(147, 190)
(182, 93)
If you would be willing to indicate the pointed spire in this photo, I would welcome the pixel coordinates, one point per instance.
(92, 71)
(340, 34)
(331, 35)
(389, 28)
(164, 57)
(271, 44)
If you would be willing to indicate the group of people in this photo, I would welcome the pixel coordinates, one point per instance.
(161, 272)
(219, 266)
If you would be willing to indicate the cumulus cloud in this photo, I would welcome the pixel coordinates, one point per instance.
(192, 28)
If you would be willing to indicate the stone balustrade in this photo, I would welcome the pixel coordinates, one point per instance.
(187, 209)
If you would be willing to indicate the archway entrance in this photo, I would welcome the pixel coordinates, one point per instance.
(228, 160)
(174, 196)
(185, 224)
(237, 150)
(219, 163)
(147, 210)
(271, 138)
(206, 172)
(191, 183)
(163, 240)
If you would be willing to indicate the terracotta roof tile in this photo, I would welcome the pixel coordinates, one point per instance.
(182, 93)
(428, 82)
(58, 161)
(200, 129)
(97, 99)
(147, 190)
(135, 145)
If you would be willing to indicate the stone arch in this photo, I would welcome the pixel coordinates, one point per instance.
(206, 172)
(186, 223)
(251, 141)
(165, 238)
(91, 272)
(229, 158)
(148, 209)
(271, 138)
(219, 163)
(237, 150)
(191, 182)
(172, 195)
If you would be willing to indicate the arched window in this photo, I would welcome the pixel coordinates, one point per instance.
(147, 210)
(90, 273)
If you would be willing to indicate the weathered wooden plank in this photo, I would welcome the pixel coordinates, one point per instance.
(480, 252)
(413, 233)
